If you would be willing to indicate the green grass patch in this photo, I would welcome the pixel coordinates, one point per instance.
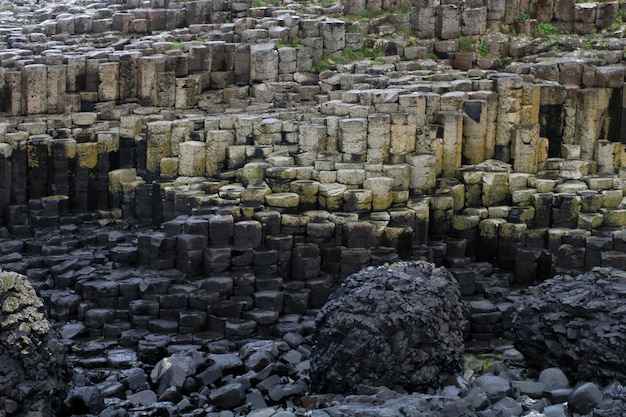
(366, 15)
(522, 16)
(483, 49)
(619, 21)
(466, 44)
(546, 29)
(265, 3)
(347, 55)
(176, 46)
(320, 65)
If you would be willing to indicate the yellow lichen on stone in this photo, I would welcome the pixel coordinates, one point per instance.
(7, 281)
(12, 303)
(87, 154)
(21, 306)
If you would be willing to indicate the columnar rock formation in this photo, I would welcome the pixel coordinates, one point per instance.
(268, 152)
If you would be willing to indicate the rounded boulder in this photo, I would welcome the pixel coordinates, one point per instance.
(399, 326)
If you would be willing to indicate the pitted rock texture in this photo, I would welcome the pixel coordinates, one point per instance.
(397, 326)
(31, 356)
(577, 323)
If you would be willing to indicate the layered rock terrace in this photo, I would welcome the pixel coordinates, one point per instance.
(242, 147)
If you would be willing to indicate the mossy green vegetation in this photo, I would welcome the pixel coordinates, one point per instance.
(522, 16)
(466, 44)
(347, 55)
(546, 29)
(265, 3)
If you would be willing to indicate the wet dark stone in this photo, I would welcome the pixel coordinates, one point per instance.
(400, 325)
(575, 323)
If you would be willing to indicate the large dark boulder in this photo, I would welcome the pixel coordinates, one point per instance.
(576, 323)
(397, 326)
(32, 358)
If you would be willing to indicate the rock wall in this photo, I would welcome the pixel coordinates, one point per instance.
(265, 184)
(413, 163)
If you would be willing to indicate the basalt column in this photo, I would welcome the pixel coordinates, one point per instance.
(108, 76)
(13, 92)
(63, 167)
(150, 69)
(353, 139)
(490, 99)
(552, 115)
(403, 130)
(128, 82)
(423, 18)
(108, 160)
(452, 123)
(34, 89)
(19, 165)
(159, 146)
(57, 81)
(218, 143)
(474, 130)
(525, 149)
(509, 90)
(378, 138)
(588, 124)
(5, 177)
(37, 150)
(86, 174)
(423, 172)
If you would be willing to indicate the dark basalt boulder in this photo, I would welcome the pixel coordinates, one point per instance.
(398, 326)
(32, 358)
(576, 323)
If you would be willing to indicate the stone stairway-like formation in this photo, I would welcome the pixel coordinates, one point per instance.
(254, 186)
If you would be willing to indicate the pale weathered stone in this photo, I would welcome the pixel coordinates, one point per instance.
(34, 89)
(263, 62)
(525, 141)
(474, 130)
(331, 196)
(353, 136)
(282, 200)
(149, 69)
(192, 159)
(158, 145)
(423, 172)
(381, 192)
(452, 123)
(108, 89)
(218, 143)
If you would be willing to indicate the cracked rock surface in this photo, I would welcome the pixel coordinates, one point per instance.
(32, 358)
(577, 323)
(398, 326)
